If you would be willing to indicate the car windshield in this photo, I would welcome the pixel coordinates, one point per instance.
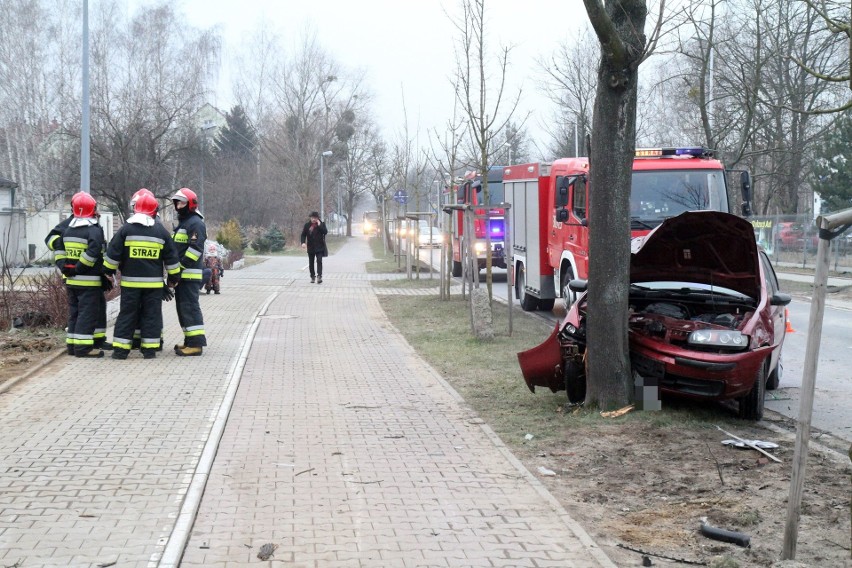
(685, 288)
(659, 194)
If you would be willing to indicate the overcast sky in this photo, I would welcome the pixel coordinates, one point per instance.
(404, 46)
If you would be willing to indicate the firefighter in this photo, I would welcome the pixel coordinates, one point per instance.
(141, 249)
(81, 262)
(168, 292)
(189, 236)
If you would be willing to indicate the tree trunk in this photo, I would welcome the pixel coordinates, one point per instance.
(611, 160)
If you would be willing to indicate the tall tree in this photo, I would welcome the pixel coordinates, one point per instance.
(833, 165)
(482, 98)
(620, 29)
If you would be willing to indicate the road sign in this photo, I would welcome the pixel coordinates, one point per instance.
(401, 197)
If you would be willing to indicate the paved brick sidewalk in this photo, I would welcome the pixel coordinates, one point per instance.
(342, 447)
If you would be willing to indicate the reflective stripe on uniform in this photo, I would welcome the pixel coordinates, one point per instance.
(180, 236)
(191, 274)
(141, 282)
(193, 330)
(121, 343)
(87, 260)
(192, 253)
(51, 241)
(59, 254)
(81, 280)
(110, 263)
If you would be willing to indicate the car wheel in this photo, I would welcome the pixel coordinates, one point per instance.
(529, 303)
(457, 269)
(774, 379)
(568, 297)
(751, 405)
(575, 381)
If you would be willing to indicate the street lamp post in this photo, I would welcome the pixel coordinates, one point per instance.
(325, 154)
(204, 129)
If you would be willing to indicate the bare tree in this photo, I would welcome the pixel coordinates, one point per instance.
(146, 89)
(481, 98)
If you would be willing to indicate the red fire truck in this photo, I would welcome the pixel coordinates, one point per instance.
(549, 212)
(469, 192)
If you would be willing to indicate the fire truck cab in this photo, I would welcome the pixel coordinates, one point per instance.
(550, 208)
(489, 221)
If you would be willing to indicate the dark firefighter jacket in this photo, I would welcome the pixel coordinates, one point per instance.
(81, 255)
(189, 236)
(140, 249)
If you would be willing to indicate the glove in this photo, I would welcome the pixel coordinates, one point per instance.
(168, 294)
(106, 283)
(173, 280)
(69, 270)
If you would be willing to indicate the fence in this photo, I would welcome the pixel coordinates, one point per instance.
(791, 240)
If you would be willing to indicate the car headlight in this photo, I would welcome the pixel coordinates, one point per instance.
(479, 247)
(723, 339)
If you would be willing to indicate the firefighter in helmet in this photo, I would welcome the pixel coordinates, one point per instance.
(80, 259)
(168, 293)
(141, 249)
(189, 236)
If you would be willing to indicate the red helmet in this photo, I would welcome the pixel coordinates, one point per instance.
(143, 191)
(84, 205)
(187, 196)
(146, 204)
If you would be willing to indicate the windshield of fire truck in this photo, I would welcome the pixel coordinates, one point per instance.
(495, 193)
(659, 194)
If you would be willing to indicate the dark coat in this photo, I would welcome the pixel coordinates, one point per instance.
(315, 239)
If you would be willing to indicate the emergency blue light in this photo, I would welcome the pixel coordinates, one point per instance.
(497, 228)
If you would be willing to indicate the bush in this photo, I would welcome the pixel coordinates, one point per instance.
(275, 238)
(261, 245)
(231, 235)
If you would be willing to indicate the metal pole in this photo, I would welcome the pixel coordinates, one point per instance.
(85, 132)
(507, 257)
(322, 189)
(201, 187)
(803, 421)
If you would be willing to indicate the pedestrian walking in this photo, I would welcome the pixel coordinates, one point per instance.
(189, 236)
(141, 250)
(80, 259)
(313, 240)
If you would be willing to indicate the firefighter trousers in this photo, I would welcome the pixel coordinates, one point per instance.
(84, 311)
(142, 306)
(189, 313)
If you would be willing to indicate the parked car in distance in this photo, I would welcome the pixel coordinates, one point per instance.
(794, 236)
(429, 237)
(706, 317)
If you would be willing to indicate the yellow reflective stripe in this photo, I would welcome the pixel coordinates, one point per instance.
(191, 254)
(150, 345)
(126, 284)
(193, 333)
(121, 345)
(78, 282)
(190, 276)
(51, 241)
(108, 263)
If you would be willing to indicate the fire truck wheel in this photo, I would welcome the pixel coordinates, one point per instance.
(528, 303)
(575, 381)
(546, 305)
(568, 296)
(457, 269)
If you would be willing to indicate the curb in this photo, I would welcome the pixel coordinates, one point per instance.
(7, 386)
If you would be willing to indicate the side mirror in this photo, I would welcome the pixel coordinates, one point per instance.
(561, 215)
(584, 222)
(745, 189)
(780, 299)
(578, 285)
(562, 185)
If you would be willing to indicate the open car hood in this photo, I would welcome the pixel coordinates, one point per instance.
(705, 247)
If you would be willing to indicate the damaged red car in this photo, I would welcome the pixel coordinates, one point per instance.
(706, 317)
